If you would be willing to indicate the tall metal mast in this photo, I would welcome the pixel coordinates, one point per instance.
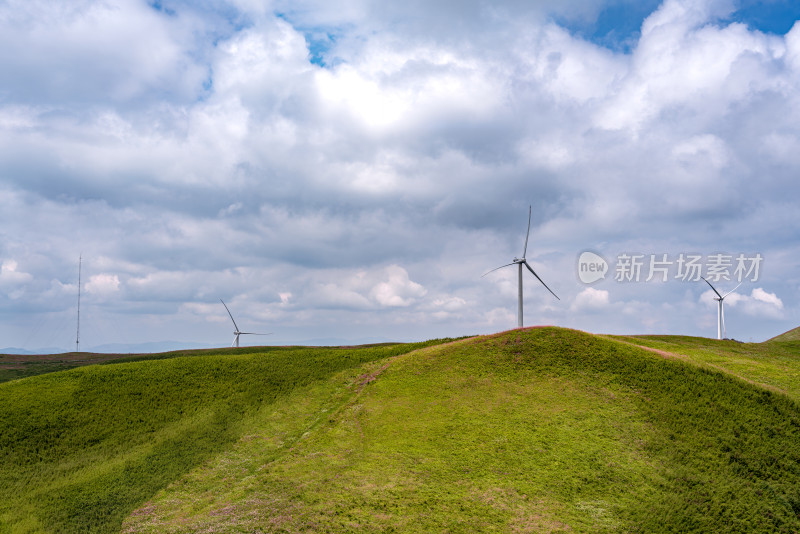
(78, 334)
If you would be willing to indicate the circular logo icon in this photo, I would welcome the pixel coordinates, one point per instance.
(591, 267)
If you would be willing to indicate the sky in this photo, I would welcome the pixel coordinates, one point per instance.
(346, 172)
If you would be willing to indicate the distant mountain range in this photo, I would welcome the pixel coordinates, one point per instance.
(17, 350)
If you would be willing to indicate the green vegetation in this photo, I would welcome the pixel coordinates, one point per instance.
(81, 449)
(538, 430)
(15, 366)
(533, 430)
(791, 335)
(774, 365)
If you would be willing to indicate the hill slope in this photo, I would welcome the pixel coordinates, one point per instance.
(791, 335)
(772, 365)
(81, 449)
(538, 430)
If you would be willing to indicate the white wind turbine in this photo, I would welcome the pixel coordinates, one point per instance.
(237, 332)
(720, 312)
(520, 262)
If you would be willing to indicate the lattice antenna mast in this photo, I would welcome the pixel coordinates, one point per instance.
(78, 334)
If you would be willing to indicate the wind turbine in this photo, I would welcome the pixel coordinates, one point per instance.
(720, 313)
(78, 331)
(520, 262)
(236, 332)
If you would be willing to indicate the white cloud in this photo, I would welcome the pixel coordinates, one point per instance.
(398, 290)
(12, 281)
(10, 274)
(102, 284)
(202, 155)
(684, 61)
(759, 303)
(769, 298)
(501, 318)
(708, 147)
(590, 299)
(389, 287)
(85, 51)
(335, 296)
(449, 303)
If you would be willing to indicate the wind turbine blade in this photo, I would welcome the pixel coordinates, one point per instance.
(229, 313)
(255, 334)
(542, 281)
(525, 250)
(712, 287)
(732, 290)
(493, 270)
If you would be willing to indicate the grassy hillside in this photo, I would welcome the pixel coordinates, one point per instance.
(773, 365)
(15, 366)
(537, 430)
(527, 431)
(81, 449)
(791, 335)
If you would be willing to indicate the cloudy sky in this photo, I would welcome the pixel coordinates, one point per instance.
(348, 170)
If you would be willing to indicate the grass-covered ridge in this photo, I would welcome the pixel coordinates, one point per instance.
(537, 430)
(15, 366)
(791, 335)
(81, 449)
(773, 365)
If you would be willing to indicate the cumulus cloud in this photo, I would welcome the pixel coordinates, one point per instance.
(398, 290)
(102, 284)
(12, 281)
(590, 299)
(315, 164)
(389, 287)
(759, 303)
(93, 52)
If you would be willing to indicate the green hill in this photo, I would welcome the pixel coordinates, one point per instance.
(537, 430)
(81, 449)
(771, 365)
(791, 335)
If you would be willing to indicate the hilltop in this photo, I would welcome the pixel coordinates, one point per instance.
(791, 335)
(542, 429)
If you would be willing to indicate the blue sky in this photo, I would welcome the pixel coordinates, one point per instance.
(618, 24)
(349, 170)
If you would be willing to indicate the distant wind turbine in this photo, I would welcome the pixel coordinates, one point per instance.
(522, 261)
(78, 330)
(720, 312)
(236, 331)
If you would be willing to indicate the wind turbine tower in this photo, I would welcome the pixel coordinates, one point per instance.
(78, 333)
(236, 331)
(720, 312)
(520, 262)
